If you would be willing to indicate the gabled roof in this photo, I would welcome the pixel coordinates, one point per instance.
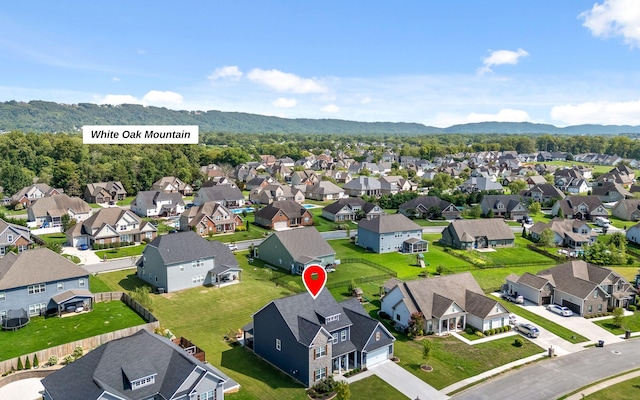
(570, 203)
(578, 277)
(111, 186)
(302, 243)
(58, 205)
(509, 201)
(149, 198)
(289, 207)
(425, 201)
(324, 187)
(389, 223)
(20, 231)
(363, 183)
(36, 266)
(546, 189)
(220, 193)
(112, 366)
(181, 247)
(347, 201)
(493, 229)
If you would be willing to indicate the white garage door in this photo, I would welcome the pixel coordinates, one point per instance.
(79, 241)
(279, 226)
(377, 356)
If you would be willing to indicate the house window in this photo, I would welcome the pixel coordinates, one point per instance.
(398, 317)
(197, 263)
(9, 238)
(595, 294)
(378, 336)
(210, 395)
(600, 307)
(60, 286)
(182, 268)
(343, 335)
(197, 279)
(335, 338)
(2, 250)
(278, 345)
(36, 309)
(81, 282)
(3, 296)
(590, 308)
(320, 374)
(39, 288)
(3, 314)
(332, 318)
(138, 383)
(320, 352)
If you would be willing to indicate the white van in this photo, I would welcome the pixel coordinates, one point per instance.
(603, 222)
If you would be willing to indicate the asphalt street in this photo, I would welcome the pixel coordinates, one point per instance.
(550, 379)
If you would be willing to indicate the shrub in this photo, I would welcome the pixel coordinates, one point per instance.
(487, 332)
(468, 330)
(631, 307)
(479, 334)
(27, 363)
(518, 342)
(35, 361)
(68, 359)
(507, 328)
(20, 366)
(384, 315)
(53, 360)
(241, 228)
(77, 352)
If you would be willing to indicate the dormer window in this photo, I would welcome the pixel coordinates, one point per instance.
(332, 318)
(147, 380)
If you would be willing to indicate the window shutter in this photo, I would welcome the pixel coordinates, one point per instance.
(314, 353)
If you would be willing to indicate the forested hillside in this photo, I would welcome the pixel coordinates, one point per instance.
(42, 116)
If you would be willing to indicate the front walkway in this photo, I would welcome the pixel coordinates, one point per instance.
(402, 380)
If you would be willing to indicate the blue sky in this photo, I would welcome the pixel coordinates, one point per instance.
(433, 62)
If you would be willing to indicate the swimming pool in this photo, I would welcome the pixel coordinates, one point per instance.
(240, 210)
(309, 206)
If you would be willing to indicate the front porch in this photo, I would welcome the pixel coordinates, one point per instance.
(448, 324)
(344, 363)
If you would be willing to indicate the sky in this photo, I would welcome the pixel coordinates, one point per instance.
(437, 63)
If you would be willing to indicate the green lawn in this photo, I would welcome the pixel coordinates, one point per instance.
(491, 279)
(121, 252)
(97, 285)
(6, 211)
(452, 360)
(42, 333)
(127, 201)
(552, 327)
(425, 222)
(94, 205)
(632, 323)
(374, 388)
(50, 238)
(621, 391)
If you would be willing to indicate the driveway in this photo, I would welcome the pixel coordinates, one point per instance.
(577, 324)
(405, 382)
(547, 340)
(86, 256)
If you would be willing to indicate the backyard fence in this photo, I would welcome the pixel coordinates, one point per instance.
(377, 266)
(91, 343)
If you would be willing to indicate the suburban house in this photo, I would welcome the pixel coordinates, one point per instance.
(580, 207)
(351, 209)
(448, 304)
(28, 194)
(276, 192)
(14, 236)
(171, 184)
(40, 280)
(104, 192)
(283, 214)
(340, 176)
(212, 171)
(110, 226)
(363, 185)
(468, 234)
(324, 191)
(390, 233)
(155, 203)
(306, 177)
(295, 250)
(184, 260)
(429, 207)
(610, 192)
(633, 234)
(621, 175)
(627, 209)
(259, 182)
(572, 233)
(543, 193)
(138, 367)
(226, 195)
(503, 206)
(209, 218)
(48, 211)
(310, 340)
(584, 288)
(394, 184)
(480, 184)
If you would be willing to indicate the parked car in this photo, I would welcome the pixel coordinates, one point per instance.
(564, 311)
(84, 247)
(518, 299)
(512, 319)
(528, 330)
(603, 222)
(525, 219)
(233, 246)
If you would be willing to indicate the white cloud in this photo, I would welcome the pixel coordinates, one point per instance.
(158, 98)
(285, 82)
(152, 98)
(615, 18)
(330, 108)
(500, 57)
(231, 72)
(115, 79)
(504, 115)
(285, 103)
(603, 112)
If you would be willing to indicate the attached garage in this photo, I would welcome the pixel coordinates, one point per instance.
(572, 306)
(79, 241)
(279, 226)
(377, 356)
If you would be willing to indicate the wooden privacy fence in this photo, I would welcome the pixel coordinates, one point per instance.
(91, 343)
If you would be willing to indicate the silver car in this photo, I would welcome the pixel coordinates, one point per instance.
(560, 310)
(528, 330)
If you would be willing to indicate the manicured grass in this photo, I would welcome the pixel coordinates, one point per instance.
(50, 238)
(121, 252)
(127, 201)
(4, 210)
(42, 333)
(452, 360)
(491, 279)
(425, 222)
(621, 391)
(513, 256)
(628, 273)
(632, 323)
(97, 285)
(73, 259)
(374, 388)
(324, 225)
(552, 327)
(94, 205)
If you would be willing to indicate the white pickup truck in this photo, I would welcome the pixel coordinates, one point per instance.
(602, 222)
(513, 298)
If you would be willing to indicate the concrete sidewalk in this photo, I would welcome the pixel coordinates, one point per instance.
(405, 382)
(603, 385)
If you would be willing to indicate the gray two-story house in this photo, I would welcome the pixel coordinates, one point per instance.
(184, 260)
(16, 236)
(39, 280)
(389, 233)
(311, 339)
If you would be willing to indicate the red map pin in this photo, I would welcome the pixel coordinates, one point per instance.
(314, 278)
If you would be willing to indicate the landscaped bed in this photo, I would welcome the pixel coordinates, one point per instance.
(42, 333)
(631, 322)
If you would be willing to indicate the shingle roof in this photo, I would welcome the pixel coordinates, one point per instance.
(493, 229)
(58, 204)
(220, 193)
(577, 277)
(348, 201)
(363, 183)
(389, 223)
(36, 266)
(303, 242)
(149, 198)
(113, 365)
(426, 202)
(289, 207)
(187, 246)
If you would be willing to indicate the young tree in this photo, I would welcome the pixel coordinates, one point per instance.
(534, 208)
(618, 314)
(343, 392)
(426, 351)
(516, 186)
(546, 238)
(416, 324)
